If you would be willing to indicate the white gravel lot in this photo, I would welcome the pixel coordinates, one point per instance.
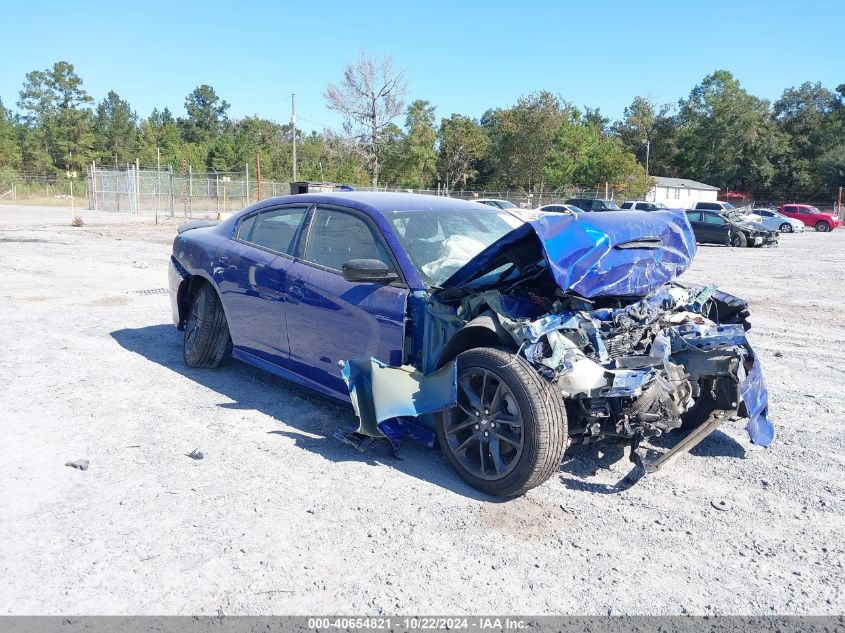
(281, 518)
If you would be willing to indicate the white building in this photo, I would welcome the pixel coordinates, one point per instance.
(681, 193)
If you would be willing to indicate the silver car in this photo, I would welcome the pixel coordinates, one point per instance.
(775, 221)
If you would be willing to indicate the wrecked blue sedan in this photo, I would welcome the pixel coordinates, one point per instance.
(461, 326)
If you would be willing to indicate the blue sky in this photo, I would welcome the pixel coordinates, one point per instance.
(462, 56)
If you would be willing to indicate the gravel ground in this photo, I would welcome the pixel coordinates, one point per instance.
(281, 518)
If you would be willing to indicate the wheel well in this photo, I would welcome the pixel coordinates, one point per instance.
(483, 331)
(188, 289)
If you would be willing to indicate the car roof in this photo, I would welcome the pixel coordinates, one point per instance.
(381, 202)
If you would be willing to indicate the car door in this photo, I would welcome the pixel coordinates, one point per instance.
(769, 219)
(251, 275)
(791, 211)
(699, 229)
(330, 319)
(716, 229)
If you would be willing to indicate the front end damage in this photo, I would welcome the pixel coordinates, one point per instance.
(591, 303)
(632, 370)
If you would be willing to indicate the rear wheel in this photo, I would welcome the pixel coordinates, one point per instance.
(822, 226)
(786, 228)
(206, 332)
(739, 240)
(508, 432)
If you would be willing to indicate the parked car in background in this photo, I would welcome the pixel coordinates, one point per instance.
(642, 205)
(439, 321)
(560, 208)
(713, 206)
(811, 216)
(593, 204)
(775, 221)
(497, 203)
(713, 227)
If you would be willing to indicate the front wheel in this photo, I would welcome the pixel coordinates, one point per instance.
(822, 226)
(739, 240)
(509, 430)
(206, 332)
(786, 228)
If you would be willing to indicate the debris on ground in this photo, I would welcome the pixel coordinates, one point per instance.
(81, 464)
(195, 454)
(720, 504)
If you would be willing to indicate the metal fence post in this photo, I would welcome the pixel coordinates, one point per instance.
(190, 191)
(172, 203)
(246, 172)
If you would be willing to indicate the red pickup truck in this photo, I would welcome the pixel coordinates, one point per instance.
(811, 216)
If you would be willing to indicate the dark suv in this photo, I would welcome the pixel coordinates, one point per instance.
(593, 204)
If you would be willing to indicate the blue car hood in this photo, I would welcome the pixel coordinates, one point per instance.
(617, 253)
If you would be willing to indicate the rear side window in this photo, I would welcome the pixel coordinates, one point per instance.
(694, 216)
(336, 237)
(274, 230)
(789, 209)
(626, 205)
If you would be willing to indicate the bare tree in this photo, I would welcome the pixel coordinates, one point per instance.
(369, 97)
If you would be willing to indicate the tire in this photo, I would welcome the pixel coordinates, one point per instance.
(822, 226)
(527, 428)
(739, 240)
(206, 332)
(785, 228)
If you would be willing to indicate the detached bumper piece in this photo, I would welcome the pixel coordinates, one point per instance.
(389, 400)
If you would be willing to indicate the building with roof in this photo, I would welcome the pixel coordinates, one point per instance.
(681, 193)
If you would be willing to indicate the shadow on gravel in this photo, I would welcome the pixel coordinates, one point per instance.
(584, 461)
(315, 416)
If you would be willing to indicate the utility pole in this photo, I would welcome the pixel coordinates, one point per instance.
(293, 125)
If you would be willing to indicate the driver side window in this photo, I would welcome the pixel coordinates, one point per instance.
(336, 237)
(712, 218)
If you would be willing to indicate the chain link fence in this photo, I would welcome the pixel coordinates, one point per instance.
(165, 191)
(44, 189)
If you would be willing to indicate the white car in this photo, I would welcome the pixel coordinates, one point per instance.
(775, 221)
(497, 203)
(560, 208)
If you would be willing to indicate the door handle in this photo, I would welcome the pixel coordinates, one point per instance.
(223, 261)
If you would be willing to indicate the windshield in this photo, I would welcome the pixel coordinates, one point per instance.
(610, 204)
(440, 242)
(504, 204)
(728, 206)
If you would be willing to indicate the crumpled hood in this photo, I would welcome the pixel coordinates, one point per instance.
(624, 253)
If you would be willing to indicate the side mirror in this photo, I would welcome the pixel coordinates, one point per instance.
(366, 270)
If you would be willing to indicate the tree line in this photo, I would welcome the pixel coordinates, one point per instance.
(719, 134)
